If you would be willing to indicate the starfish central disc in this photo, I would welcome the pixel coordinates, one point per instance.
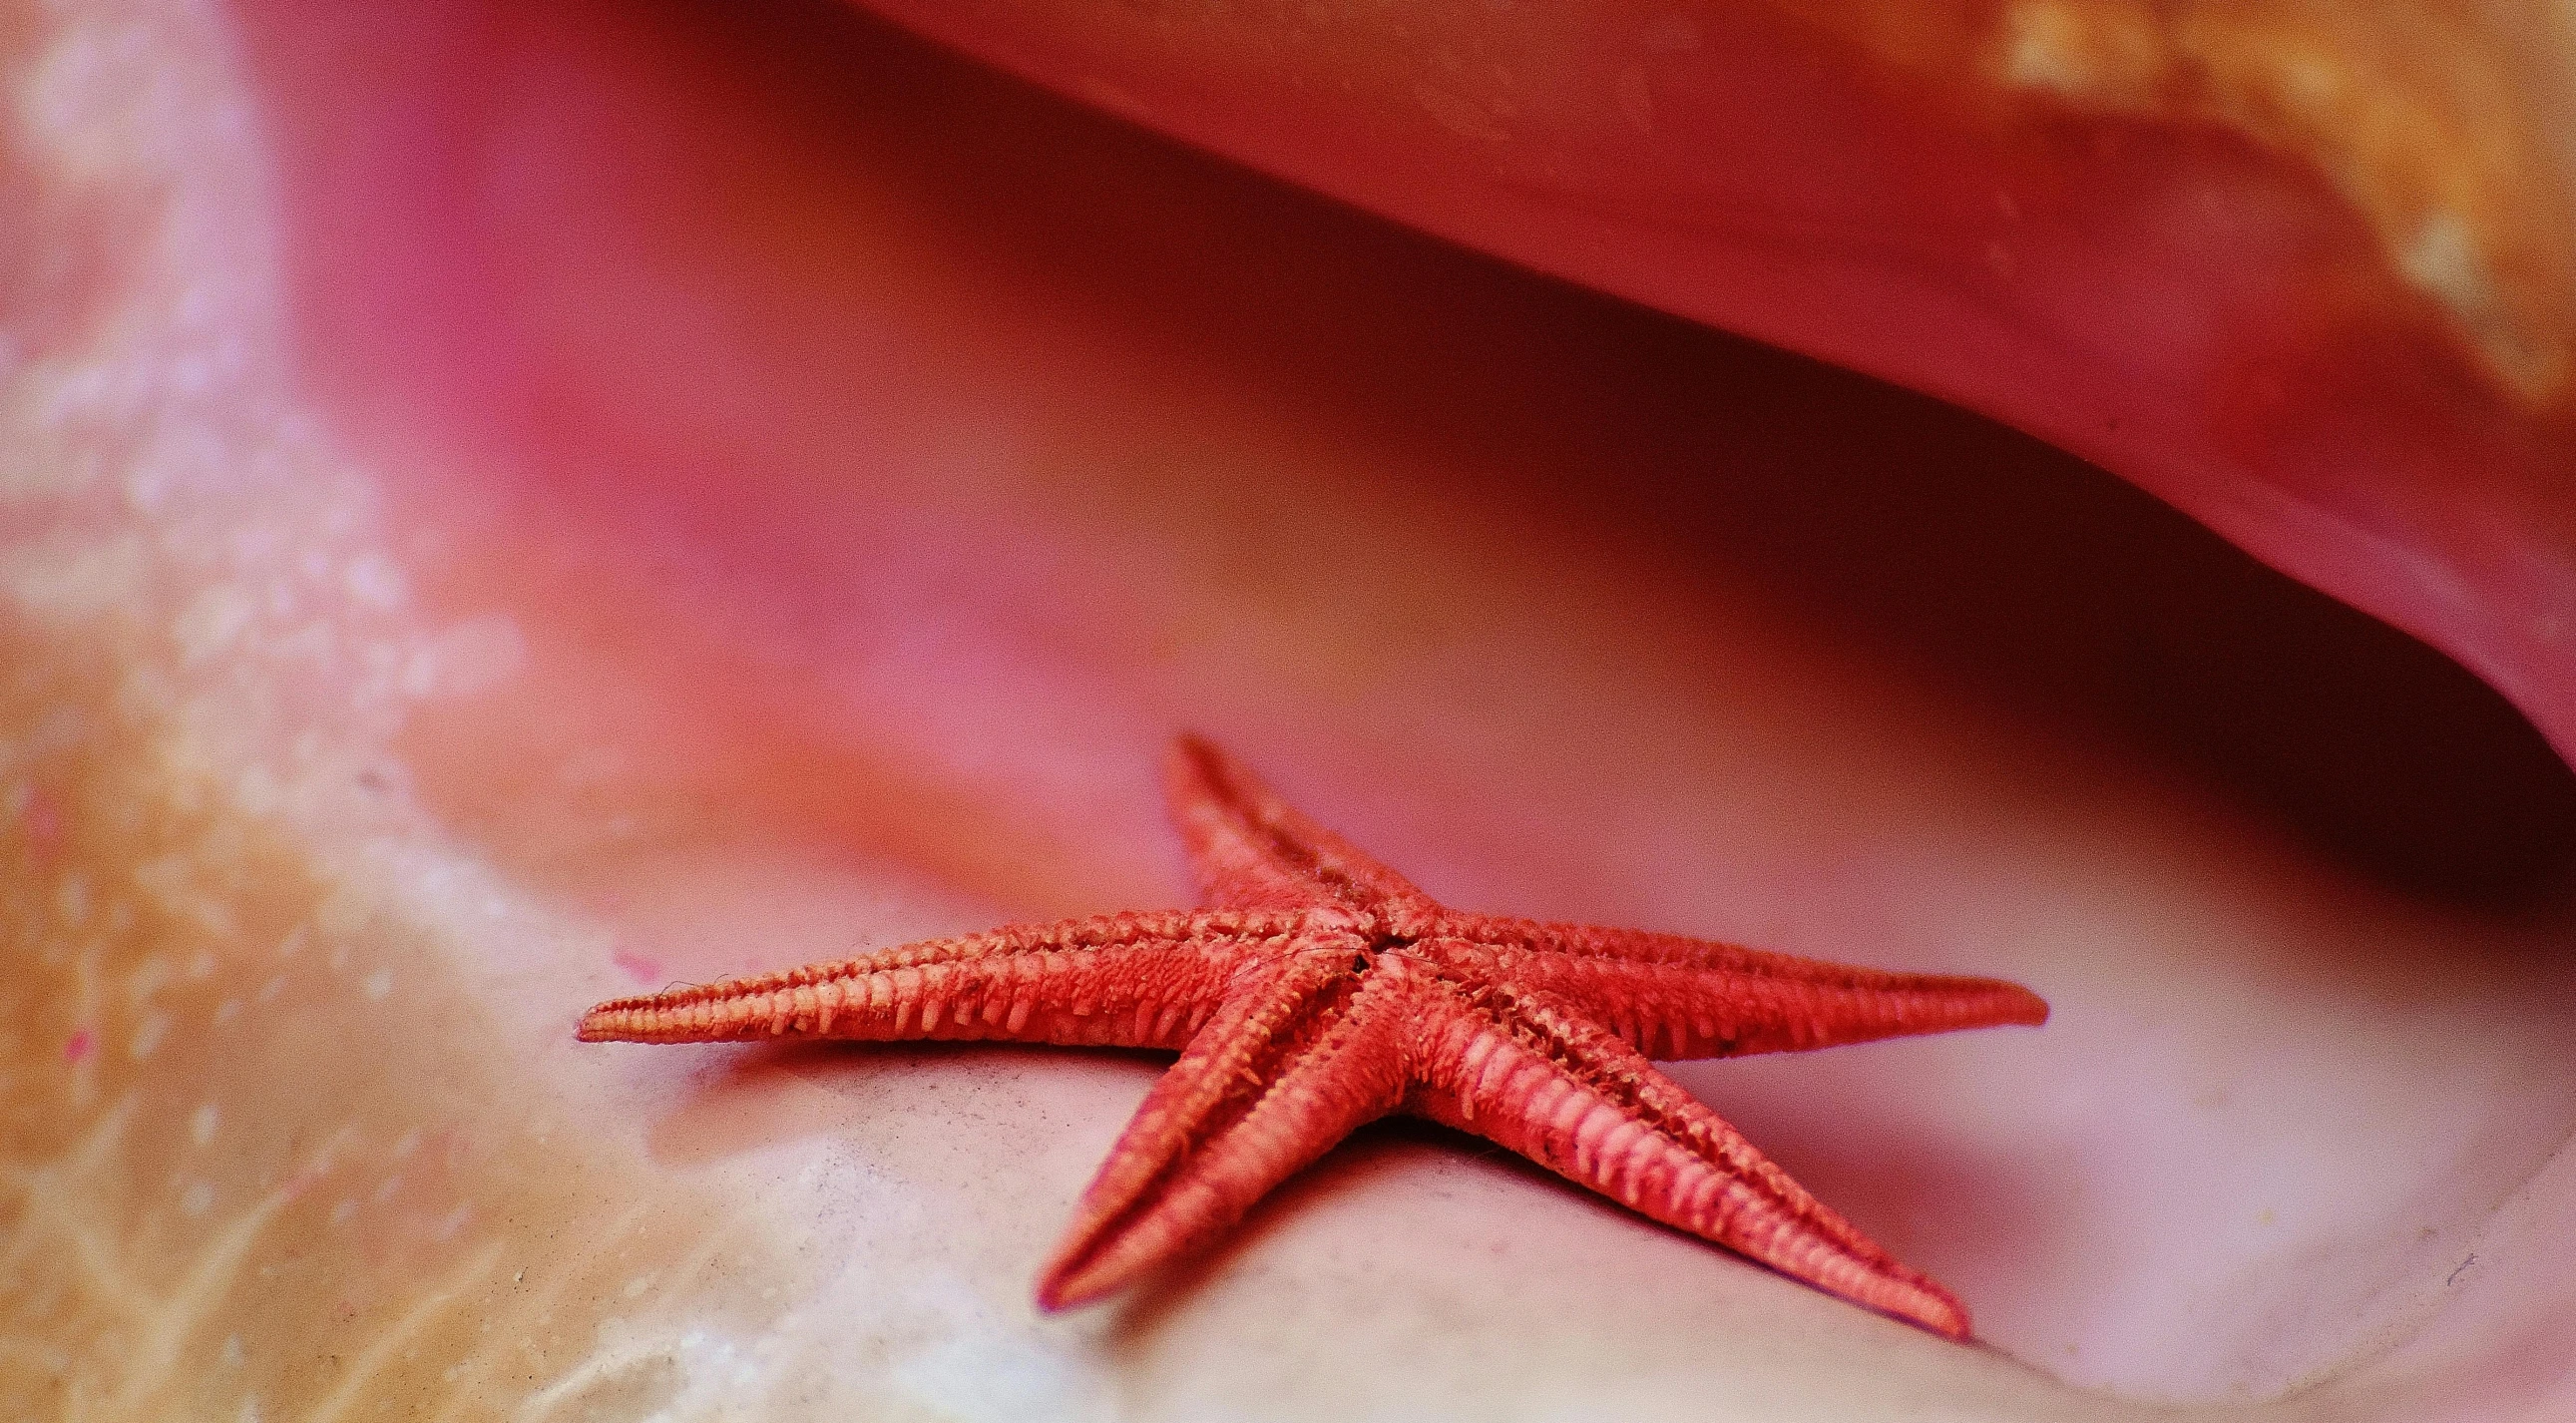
(1320, 990)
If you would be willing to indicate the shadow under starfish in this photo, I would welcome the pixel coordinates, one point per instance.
(1320, 990)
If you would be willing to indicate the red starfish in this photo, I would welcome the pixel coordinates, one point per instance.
(1320, 991)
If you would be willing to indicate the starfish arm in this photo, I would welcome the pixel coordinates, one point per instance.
(1119, 980)
(1533, 1076)
(1673, 997)
(1285, 1069)
(1250, 849)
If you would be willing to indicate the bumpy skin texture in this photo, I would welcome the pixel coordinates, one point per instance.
(1320, 990)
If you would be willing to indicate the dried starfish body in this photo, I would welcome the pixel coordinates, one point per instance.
(1320, 991)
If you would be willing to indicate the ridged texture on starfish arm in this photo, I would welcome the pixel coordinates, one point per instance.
(1119, 980)
(1296, 1060)
(1320, 990)
(1675, 999)
(1249, 848)
(1533, 1076)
